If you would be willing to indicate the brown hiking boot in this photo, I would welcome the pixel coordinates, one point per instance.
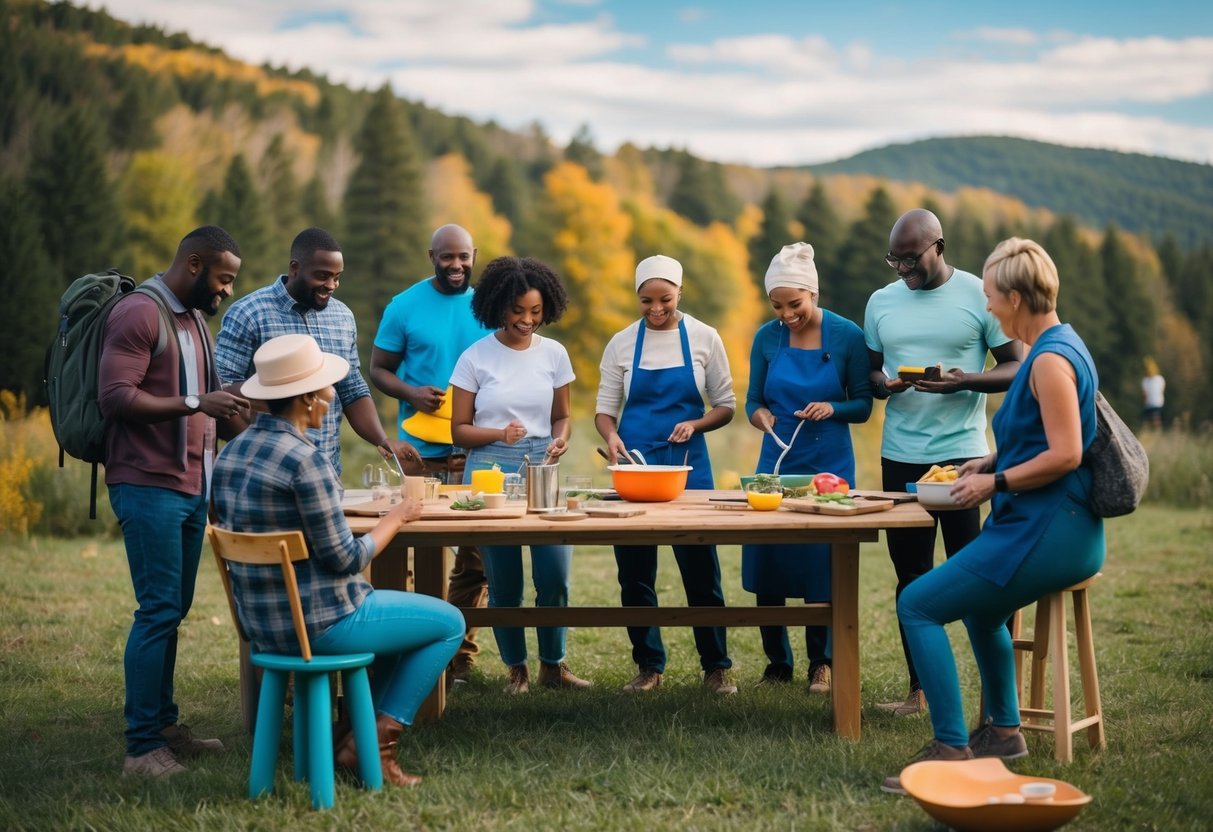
(916, 703)
(717, 681)
(986, 742)
(934, 750)
(559, 676)
(645, 681)
(183, 743)
(520, 680)
(819, 679)
(154, 765)
(460, 669)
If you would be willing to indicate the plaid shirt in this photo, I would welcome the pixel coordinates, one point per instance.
(269, 478)
(271, 311)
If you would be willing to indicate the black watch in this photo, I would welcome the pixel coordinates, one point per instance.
(192, 403)
(1000, 481)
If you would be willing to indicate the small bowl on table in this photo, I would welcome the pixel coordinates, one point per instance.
(934, 495)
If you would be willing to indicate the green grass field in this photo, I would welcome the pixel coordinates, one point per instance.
(678, 759)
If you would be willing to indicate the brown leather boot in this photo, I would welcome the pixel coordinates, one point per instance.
(559, 676)
(520, 680)
(389, 732)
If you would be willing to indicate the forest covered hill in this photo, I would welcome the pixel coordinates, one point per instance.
(1146, 194)
(117, 139)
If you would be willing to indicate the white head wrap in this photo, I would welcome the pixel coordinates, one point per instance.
(667, 268)
(793, 267)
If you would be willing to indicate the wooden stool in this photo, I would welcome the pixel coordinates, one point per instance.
(1049, 634)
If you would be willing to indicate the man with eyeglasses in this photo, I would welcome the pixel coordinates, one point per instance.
(935, 316)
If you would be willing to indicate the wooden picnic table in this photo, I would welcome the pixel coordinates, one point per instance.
(692, 519)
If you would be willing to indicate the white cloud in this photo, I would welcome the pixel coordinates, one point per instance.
(764, 99)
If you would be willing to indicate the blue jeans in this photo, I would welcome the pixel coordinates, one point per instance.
(1071, 550)
(163, 531)
(700, 568)
(413, 638)
(550, 565)
(780, 659)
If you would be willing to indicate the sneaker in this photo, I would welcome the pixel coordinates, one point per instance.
(717, 681)
(460, 669)
(934, 750)
(559, 676)
(520, 680)
(645, 681)
(915, 703)
(183, 743)
(985, 742)
(819, 679)
(155, 764)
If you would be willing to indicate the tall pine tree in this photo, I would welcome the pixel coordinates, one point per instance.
(773, 234)
(241, 211)
(822, 229)
(701, 194)
(861, 268)
(31, 299)
(386, 238)
(1132, 311)
(282, 198)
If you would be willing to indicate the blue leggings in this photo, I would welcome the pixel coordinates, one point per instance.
(413, 638)
(1071, 550)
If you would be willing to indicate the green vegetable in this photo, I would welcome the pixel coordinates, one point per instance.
(467, 505)
(801, 491)
(836, 498)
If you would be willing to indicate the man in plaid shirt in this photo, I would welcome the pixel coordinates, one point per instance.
(301, 301)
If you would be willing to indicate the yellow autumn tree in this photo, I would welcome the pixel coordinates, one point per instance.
(452, 198)
(584, 237)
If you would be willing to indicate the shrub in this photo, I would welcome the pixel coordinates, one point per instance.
(1180, 468)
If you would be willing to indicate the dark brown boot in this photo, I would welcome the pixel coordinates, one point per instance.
(389, 732)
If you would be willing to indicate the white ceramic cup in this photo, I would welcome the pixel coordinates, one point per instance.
(493, 500)
(413, 487)
(1038, 792)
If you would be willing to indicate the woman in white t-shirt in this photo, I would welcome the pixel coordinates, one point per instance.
(510, 399)
(655, 376)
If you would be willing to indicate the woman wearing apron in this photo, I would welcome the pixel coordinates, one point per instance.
(808, 365)
(654, 377)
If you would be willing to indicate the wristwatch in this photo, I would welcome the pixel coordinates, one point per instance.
(1000, 481)
(192, 403)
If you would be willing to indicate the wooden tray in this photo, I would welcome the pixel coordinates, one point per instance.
(811, 506)
(611, 511)
(433, 511)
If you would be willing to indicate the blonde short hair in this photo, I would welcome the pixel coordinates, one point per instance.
(1022, 266)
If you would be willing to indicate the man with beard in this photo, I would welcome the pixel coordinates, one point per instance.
(935, 315)
(424, 330)
(301, 301)
(162, 411)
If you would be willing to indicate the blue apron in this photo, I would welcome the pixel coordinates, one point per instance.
(795, 378)
(656, 401)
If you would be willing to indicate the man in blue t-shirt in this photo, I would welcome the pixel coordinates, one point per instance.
(423, 332)
(934, 316)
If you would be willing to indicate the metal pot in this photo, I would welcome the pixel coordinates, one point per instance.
(542, 486)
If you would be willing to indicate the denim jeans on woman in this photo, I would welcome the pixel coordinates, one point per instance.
(413, 638)
(163, 531)
(550, 565)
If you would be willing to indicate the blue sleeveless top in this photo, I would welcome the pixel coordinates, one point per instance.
(1018, 519)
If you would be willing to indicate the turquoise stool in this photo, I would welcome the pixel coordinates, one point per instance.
(313, 737)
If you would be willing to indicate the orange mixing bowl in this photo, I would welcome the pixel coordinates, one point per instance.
(649, 483)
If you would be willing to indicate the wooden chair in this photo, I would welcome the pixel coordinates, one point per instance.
(1050, 634)
(313, 737)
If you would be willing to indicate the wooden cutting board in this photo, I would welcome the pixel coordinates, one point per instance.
(611, 511)
(811, 506)
(430, 511)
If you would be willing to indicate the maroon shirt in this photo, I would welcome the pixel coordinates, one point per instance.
(140, 453)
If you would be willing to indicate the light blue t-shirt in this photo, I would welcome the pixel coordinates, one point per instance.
(430, 330)
(948, 326)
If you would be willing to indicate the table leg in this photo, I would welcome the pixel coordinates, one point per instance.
(844, 598)
(431, 565)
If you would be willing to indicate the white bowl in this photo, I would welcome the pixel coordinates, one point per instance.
(936, 494)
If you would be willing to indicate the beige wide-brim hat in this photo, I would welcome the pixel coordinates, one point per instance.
(291, 365)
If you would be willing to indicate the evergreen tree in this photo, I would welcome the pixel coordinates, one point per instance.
(386, 235)
(1081, 299)
(73, 199)
(159, 203)
(282, 199)
(969, 243)
(773, 234)
(315, 208)
(241, 211)
(822, 229)
(509, 190)
(701, 194)
(581, 151)
(31, 299)
(861, 268)
(1131, 308)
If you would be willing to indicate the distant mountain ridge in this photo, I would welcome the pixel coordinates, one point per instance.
(1146, 194)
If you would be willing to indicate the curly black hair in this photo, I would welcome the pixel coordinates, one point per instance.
(506, 279)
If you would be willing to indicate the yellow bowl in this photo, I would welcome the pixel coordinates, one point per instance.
(763, 500)
(649, 483)
(958, 794)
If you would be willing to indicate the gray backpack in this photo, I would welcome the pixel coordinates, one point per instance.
(1120, 469)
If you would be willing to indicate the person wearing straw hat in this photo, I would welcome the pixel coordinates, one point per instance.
(808, 385)
(655, 376)
(272, 478)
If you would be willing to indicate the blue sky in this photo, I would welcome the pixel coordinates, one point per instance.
(755, 82)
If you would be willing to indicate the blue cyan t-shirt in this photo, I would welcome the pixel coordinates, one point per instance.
(948, 326)
(430, 330)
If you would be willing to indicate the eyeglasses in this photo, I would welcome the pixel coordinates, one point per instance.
(908, 262)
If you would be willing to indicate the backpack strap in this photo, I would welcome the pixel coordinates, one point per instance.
(166, 321)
